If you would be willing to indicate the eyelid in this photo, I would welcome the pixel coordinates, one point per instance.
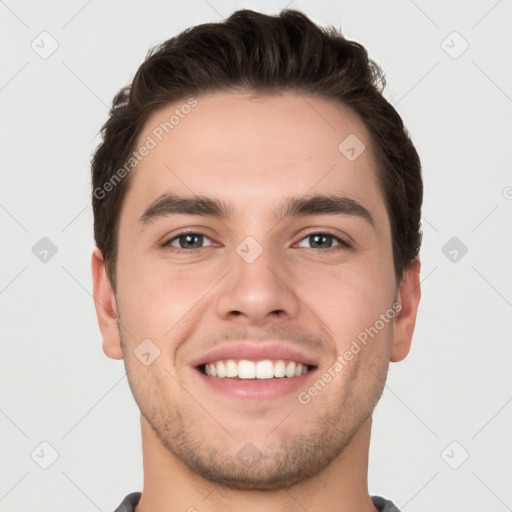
(344, 240)
(188, 231)
(341, 238)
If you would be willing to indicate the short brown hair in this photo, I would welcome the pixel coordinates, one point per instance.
(265, 55)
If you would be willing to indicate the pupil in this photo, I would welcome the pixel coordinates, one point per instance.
(188, 240)
(319, 238)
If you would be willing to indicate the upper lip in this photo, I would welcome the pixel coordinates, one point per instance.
(254, 351)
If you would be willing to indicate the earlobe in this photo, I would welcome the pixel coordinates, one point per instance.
(409, 295)
(106, 307)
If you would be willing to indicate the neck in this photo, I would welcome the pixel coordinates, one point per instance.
(169, 486)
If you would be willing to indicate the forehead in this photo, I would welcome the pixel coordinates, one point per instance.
(249, 150)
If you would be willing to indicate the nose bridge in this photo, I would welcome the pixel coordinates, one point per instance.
(256, 286)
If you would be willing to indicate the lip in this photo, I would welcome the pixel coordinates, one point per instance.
(254, 351)
(257, 390)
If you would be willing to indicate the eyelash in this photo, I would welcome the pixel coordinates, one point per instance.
(343, 244)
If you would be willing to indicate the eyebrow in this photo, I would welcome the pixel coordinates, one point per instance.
(171, 204)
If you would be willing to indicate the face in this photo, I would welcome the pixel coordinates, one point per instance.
(255, 261)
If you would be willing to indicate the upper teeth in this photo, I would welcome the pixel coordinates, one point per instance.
(245, 369)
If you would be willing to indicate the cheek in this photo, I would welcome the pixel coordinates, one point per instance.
(153, 300)
(346, 298)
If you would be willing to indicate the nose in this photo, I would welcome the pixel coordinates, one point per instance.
(257, 292)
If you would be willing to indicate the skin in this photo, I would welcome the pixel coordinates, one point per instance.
(251, 153)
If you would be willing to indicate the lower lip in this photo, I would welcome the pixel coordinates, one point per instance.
(262, 389)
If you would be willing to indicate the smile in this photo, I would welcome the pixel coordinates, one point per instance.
(260, 370)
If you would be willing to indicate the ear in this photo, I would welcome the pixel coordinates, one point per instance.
(409, 295)
(106, 307)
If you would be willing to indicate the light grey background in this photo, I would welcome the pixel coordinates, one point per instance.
(58, 387)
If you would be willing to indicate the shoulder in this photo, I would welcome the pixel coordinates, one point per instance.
(384, 505)
(129, 503)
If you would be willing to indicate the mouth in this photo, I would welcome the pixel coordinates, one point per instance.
(245, 369)
(257, 371)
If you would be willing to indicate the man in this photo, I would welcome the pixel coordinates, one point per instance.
(257, 219)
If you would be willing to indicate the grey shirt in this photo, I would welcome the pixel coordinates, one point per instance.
(132, 499)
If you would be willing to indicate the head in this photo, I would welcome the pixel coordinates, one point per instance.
(267, 139)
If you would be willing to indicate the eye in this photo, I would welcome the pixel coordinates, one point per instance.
(324, 241)
(186, 241)
(189, 241)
